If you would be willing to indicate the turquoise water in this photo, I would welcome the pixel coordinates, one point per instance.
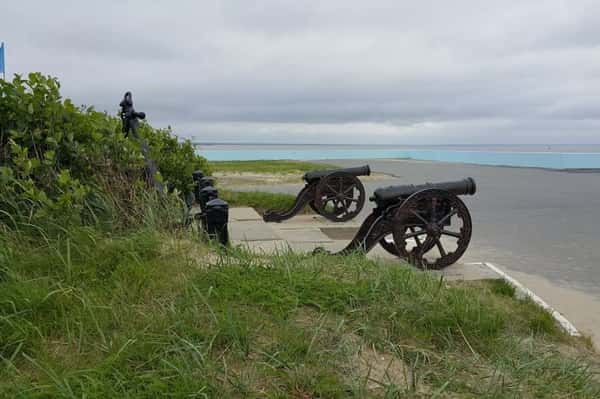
(525, 156)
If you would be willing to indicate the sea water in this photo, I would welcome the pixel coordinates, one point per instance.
(539, 156)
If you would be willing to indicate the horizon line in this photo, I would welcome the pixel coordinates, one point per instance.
(383, 144)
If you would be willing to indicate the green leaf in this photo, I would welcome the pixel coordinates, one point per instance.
(64, 177)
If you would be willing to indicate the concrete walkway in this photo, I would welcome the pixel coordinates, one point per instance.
(304, 233)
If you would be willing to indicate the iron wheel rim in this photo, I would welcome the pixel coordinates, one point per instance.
(410, 222)
(339, 197)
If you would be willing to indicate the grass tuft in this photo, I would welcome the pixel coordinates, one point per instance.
(502, 287)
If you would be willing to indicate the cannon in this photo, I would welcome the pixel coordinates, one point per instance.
(427, 224)
(336, 194)
(130, 119)
(129, 116)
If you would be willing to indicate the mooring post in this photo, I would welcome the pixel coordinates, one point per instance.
(197, 176)
(216, 217)
(208, 193)
(205, 182)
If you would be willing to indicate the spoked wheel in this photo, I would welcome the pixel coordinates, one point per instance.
(389, 245)
(432, 229)
(339, 196)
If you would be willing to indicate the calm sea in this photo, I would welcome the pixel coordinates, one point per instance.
(540, 156)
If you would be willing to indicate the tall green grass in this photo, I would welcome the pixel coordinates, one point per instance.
(150, 314)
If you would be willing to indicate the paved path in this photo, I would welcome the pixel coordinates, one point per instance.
(304, 233)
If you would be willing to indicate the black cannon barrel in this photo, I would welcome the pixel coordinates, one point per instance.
(356, 171)
(386, 195)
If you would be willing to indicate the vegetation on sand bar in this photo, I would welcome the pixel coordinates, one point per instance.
(276, 167)
(259, 200)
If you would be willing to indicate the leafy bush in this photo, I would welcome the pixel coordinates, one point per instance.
(176, 160)
(69, 164)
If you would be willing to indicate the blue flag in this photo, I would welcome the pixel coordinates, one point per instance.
(2, 58)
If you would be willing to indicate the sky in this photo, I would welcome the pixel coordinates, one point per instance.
(327, 71)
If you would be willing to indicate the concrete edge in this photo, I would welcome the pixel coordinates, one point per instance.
(562, 320)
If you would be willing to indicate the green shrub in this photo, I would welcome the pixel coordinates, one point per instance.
(63, 164)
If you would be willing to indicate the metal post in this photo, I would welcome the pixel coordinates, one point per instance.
(206, 181)
(197, 175)
(217, 216)
(206, 194)
(201, 182)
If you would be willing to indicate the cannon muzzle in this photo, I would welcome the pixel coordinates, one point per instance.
(356, 171)
(386, 195)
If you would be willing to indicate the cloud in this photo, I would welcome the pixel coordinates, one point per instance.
(339, 71)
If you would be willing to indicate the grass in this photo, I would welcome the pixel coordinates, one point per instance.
(149, 314)
(275, 167)
(259, 200)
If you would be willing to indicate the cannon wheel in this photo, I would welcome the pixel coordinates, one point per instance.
(451, 241)
(339, 196)
(390, 246)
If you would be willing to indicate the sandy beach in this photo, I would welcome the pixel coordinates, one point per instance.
(542, 225)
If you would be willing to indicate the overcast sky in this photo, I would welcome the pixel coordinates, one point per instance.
(403, 72)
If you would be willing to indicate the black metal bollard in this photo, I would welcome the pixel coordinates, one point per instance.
(206, 181)
(216, 218)
(206, 194)
(201, 182)
(197, 175)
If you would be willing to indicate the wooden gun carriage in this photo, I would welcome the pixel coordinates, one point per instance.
(428, 224)
(336, 194)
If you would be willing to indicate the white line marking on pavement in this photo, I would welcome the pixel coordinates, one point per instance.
(562, 320)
